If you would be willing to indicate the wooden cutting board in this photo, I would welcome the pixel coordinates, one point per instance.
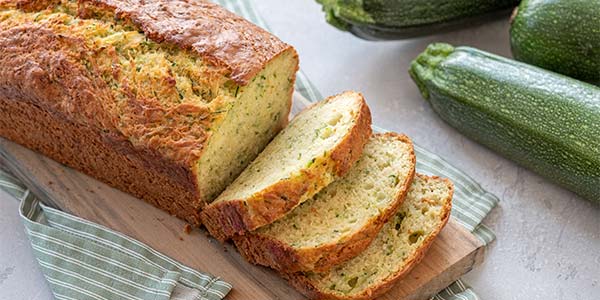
(455, 252)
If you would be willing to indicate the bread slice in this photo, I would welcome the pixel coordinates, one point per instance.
(318, 146)
(341, 220)
(399, 246)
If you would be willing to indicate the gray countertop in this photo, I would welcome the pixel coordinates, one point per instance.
(548, 240)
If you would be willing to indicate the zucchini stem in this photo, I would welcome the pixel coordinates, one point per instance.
(421, 69)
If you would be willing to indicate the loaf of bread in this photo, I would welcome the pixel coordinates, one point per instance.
(342, 219)
(318, 146)
(166, 100)
(399, 246)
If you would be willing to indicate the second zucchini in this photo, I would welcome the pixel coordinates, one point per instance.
(545, 121)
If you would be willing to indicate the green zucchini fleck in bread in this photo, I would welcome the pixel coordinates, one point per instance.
(399, 246)
(318, 146)
(341, 220)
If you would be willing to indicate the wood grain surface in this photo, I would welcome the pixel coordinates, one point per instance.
(455, 251)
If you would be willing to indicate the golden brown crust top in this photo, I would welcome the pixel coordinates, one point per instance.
(217, 35)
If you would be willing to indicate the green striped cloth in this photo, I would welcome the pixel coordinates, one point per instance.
(83, 260)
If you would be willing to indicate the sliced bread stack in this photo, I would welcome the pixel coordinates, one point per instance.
(335, 209)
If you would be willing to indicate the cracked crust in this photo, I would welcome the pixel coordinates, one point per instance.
(268, 251)
(307, 288)
(214, 33)
(224, 219)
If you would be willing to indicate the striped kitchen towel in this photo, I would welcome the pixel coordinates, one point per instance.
(83, 260)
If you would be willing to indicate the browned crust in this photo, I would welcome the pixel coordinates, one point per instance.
(216, 34)
(268, 251)
(144, 174)
(39, 74)
(225, 219)
(305, 286)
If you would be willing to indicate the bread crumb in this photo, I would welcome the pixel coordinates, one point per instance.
(187, 228)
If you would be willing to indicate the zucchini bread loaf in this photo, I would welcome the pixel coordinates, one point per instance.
(166, 100)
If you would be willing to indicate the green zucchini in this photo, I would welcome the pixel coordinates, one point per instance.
(545, 121)
(397, 19)
(559, 35)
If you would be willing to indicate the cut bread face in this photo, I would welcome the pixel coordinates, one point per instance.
(341, 220)
(318, 146)
(399, 246)
(248, 123)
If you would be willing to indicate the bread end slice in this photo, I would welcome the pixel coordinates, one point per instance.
(401, 244)
(343, 219)
(319, 145)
